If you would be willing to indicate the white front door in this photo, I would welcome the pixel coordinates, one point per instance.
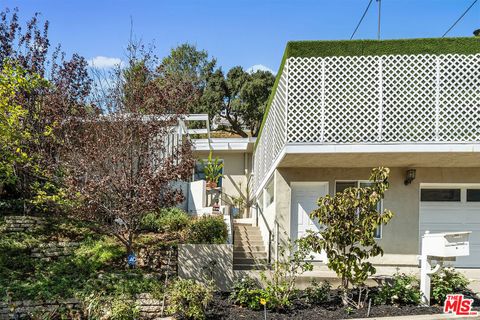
(304, 200)
(450, 208)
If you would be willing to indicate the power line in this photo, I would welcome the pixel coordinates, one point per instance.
(461, 17)
(361, 19)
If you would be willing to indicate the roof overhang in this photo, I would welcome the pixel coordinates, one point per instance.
(390, 155)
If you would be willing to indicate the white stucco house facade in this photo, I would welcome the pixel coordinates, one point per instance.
(340, 108)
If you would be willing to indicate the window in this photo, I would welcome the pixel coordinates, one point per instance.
(199, 172)
(341, 186)
(473, 195)
(440, 195)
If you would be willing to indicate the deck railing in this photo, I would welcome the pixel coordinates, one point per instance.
(371, 100)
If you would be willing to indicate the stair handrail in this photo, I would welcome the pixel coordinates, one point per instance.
(232, 227)
(269, 254)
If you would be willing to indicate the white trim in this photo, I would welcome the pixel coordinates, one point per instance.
(381, 148)
(222, 144)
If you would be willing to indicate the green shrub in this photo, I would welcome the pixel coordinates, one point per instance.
(445, 282)
(317, 293)
(207, 230)
(123, 310)
(280, 289)
(189, 299)
(246, 293)
(166, 220)
(402, 290)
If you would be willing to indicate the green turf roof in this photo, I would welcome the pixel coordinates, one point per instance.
(307, 49)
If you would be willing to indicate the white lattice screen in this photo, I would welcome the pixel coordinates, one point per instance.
(372, 99)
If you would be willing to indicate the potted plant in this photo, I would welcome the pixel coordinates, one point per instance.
(213, 171)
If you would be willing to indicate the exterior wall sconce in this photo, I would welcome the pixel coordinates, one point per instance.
(411, 173)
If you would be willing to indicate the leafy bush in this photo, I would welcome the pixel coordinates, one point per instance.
(402, 290)
(280, 290)
(246, 293)
(317, 293)
(447, 281)
(123, 310)
(166, 220)
(207, 230)
(189, 299)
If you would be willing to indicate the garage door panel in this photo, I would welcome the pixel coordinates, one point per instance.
(452, 217)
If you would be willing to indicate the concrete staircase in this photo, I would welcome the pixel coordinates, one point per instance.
(248, 248)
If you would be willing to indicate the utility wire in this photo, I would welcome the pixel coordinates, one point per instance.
(361, 19)
(461, 17)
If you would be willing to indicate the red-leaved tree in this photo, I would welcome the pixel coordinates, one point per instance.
(124, 163)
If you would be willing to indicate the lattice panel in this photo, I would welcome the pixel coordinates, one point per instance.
(273, 137)
(305, 99)
(409, 95)
(372, 99)
(459, 98)
(351, 99)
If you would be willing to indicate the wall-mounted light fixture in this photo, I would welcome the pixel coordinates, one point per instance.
(410, 176)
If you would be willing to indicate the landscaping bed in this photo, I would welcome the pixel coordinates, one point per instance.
(222, 308)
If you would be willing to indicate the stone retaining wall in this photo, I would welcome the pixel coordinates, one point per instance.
(162, 260)
(54, 250)
(27, 308)
(22, 223)
(149, 307)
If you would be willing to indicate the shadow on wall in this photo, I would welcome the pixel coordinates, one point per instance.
(204, 262)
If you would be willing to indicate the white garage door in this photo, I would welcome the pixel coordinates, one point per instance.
(447, 207)
(304, 200)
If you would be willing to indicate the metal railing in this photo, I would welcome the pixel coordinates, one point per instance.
(269, 246)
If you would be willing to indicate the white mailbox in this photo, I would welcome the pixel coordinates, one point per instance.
(440, 247)
(446, 245)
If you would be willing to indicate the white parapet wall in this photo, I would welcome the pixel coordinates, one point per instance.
(197, 197)
(203, 262)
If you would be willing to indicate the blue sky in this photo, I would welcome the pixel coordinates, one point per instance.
(241, 32)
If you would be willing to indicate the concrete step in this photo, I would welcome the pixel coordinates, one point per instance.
(250, 267)
(250, 248)
(245, 261)
(248, 238)
(247, 243)
(248, 254)
(246, 228)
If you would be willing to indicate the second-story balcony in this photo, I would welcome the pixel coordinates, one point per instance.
(376, 94)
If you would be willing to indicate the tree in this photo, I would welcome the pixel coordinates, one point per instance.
(240, 97)
(192, 65)
(121, 166)
(15, 133)
(44, 106)
(349, 220)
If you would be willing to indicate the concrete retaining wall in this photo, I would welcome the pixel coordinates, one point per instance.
(203, 262)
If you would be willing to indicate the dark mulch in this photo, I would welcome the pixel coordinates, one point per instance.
(223, 309)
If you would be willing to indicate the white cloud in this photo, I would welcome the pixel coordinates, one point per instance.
(257, 67)
(102, 62)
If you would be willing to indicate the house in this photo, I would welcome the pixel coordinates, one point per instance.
(340, 108)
